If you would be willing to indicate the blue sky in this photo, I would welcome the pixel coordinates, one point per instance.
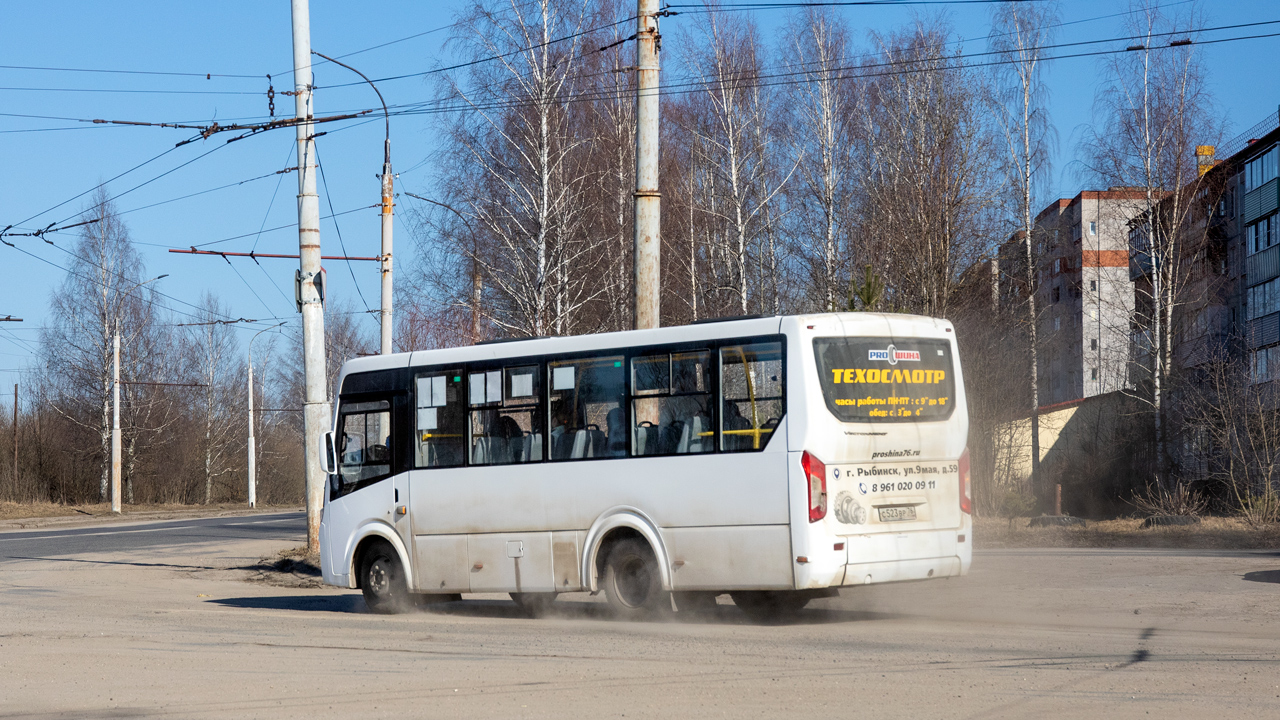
(42, 169)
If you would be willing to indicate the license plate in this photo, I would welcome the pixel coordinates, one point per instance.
(897, 514)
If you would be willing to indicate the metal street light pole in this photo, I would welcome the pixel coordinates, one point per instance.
(253, 455)
(115, 399)
(388, 195)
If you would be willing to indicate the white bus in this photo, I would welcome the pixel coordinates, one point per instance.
(775, 459)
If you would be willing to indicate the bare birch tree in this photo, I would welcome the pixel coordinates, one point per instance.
(1019, 31)
(517, 166)
(820, 111)
(103, 294)
(928, 178)
(1156, 107)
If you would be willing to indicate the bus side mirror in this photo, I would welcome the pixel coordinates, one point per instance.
(328, 462)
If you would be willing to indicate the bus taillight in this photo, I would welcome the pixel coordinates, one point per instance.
(966, 494)
(815, 472)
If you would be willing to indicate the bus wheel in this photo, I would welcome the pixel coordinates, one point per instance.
(632, 581)
(770, 607)
(534, 605)
(382, 580)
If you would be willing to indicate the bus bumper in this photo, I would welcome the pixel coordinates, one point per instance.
(901, 570)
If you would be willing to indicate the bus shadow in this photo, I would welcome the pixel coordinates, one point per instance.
(349, 603)
(1263, 576)
(601, 612)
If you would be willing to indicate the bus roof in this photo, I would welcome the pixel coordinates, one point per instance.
(727, 328)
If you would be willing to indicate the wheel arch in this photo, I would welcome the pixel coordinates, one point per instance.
(374, 531)
(619, 522)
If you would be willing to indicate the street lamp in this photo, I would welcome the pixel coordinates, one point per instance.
(253, 460)
(115, 397)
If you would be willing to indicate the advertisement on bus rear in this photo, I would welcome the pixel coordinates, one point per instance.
(886, 380)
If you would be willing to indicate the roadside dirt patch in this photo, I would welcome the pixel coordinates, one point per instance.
(292, 568)
(1213, 533)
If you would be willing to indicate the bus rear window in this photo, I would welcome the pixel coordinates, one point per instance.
(886, 380)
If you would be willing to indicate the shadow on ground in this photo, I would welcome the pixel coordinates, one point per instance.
(1263, 576)
(724, 614)
(302, 603)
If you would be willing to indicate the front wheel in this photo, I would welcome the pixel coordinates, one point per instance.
(770, 607)
(633, 582)
(382, 580)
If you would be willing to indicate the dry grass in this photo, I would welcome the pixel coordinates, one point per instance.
(1213, 533)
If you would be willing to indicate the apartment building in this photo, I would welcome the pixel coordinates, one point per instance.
(1085, 293)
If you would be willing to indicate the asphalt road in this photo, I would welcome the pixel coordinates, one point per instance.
(135, 538)
(160, 621)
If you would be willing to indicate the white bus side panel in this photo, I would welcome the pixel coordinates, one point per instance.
(737, 502)
(755, 557)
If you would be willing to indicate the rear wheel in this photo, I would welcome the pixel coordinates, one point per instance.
(382, 580)
(534, 605)
(770, 606)
(633, 582)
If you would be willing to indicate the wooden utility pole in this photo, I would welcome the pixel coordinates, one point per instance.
(648, 240)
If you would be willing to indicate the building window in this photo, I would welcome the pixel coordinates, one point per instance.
(1093, 228)
(1056, 294)
(1093, 345)
(1093, 285)
(1262, 234)
(1093, 373)
(1260, 170)
(1057, 321)
(1262, 299)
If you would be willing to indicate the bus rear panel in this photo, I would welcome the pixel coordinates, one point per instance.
(877, 450)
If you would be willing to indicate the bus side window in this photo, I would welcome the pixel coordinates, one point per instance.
(586, 397)
(671, 408)
(364, 444)
(440, 419)
(506, 418)
(751, 395)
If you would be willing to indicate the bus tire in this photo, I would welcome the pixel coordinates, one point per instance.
(765, 607)
(633, 582)
(382, 580)
(534, 604)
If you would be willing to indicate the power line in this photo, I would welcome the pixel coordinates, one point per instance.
(206, 76)
(923, 64)
(132, 92)
(490, 58)
(328, 196)
(278, 227)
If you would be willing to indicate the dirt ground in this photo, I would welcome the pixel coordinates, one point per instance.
(1213, 533)
(143, 621)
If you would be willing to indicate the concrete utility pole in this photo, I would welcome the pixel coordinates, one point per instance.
(387, 205)
(115, 422)
(253, 454)
(648, 201)
(316, 414)
(15, 436)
